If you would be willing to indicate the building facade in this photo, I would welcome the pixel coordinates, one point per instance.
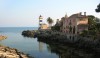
(44, 26)
(75, 23)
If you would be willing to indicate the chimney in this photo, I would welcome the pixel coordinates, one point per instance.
(84, 13)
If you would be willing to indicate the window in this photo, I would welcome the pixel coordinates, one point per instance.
(70, 22)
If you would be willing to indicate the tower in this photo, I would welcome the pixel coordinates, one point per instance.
(40, 21)
(66, 16)
(57, 21)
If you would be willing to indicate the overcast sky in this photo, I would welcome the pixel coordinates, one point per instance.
(25, 13)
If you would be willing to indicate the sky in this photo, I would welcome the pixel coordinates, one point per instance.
(25, 13)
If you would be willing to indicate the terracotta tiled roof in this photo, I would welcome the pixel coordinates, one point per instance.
(74, 16)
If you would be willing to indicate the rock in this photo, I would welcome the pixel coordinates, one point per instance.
(50, 36)
(2, 37)
(6, 52)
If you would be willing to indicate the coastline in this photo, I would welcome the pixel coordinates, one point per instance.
(7, 52)
(49, 36)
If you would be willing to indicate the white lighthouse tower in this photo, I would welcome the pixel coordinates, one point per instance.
(40, 21)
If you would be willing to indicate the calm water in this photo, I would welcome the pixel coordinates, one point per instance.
(38, 49)
(24, 44)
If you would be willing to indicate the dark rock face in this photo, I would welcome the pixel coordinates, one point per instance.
(53, 36)
(28, 33)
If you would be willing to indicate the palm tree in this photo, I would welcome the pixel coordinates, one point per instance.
(50, 21)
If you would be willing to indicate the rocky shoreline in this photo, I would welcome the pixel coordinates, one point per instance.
(7, 52)
(49, 36)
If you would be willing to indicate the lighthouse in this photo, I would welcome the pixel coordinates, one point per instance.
(42, 25)
(40, 21)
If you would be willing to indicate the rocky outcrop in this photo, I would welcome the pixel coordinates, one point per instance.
(28, 33)
(6, 52)
(2, 37)
(50, 36)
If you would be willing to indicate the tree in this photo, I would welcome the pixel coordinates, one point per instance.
(50, 21)
(91, 22)
(84, 33)
(57, 26)
(98, 8)
(97, 19)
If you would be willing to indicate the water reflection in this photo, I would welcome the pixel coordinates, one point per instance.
(67, 52)
(64, 51)
(41, 46)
